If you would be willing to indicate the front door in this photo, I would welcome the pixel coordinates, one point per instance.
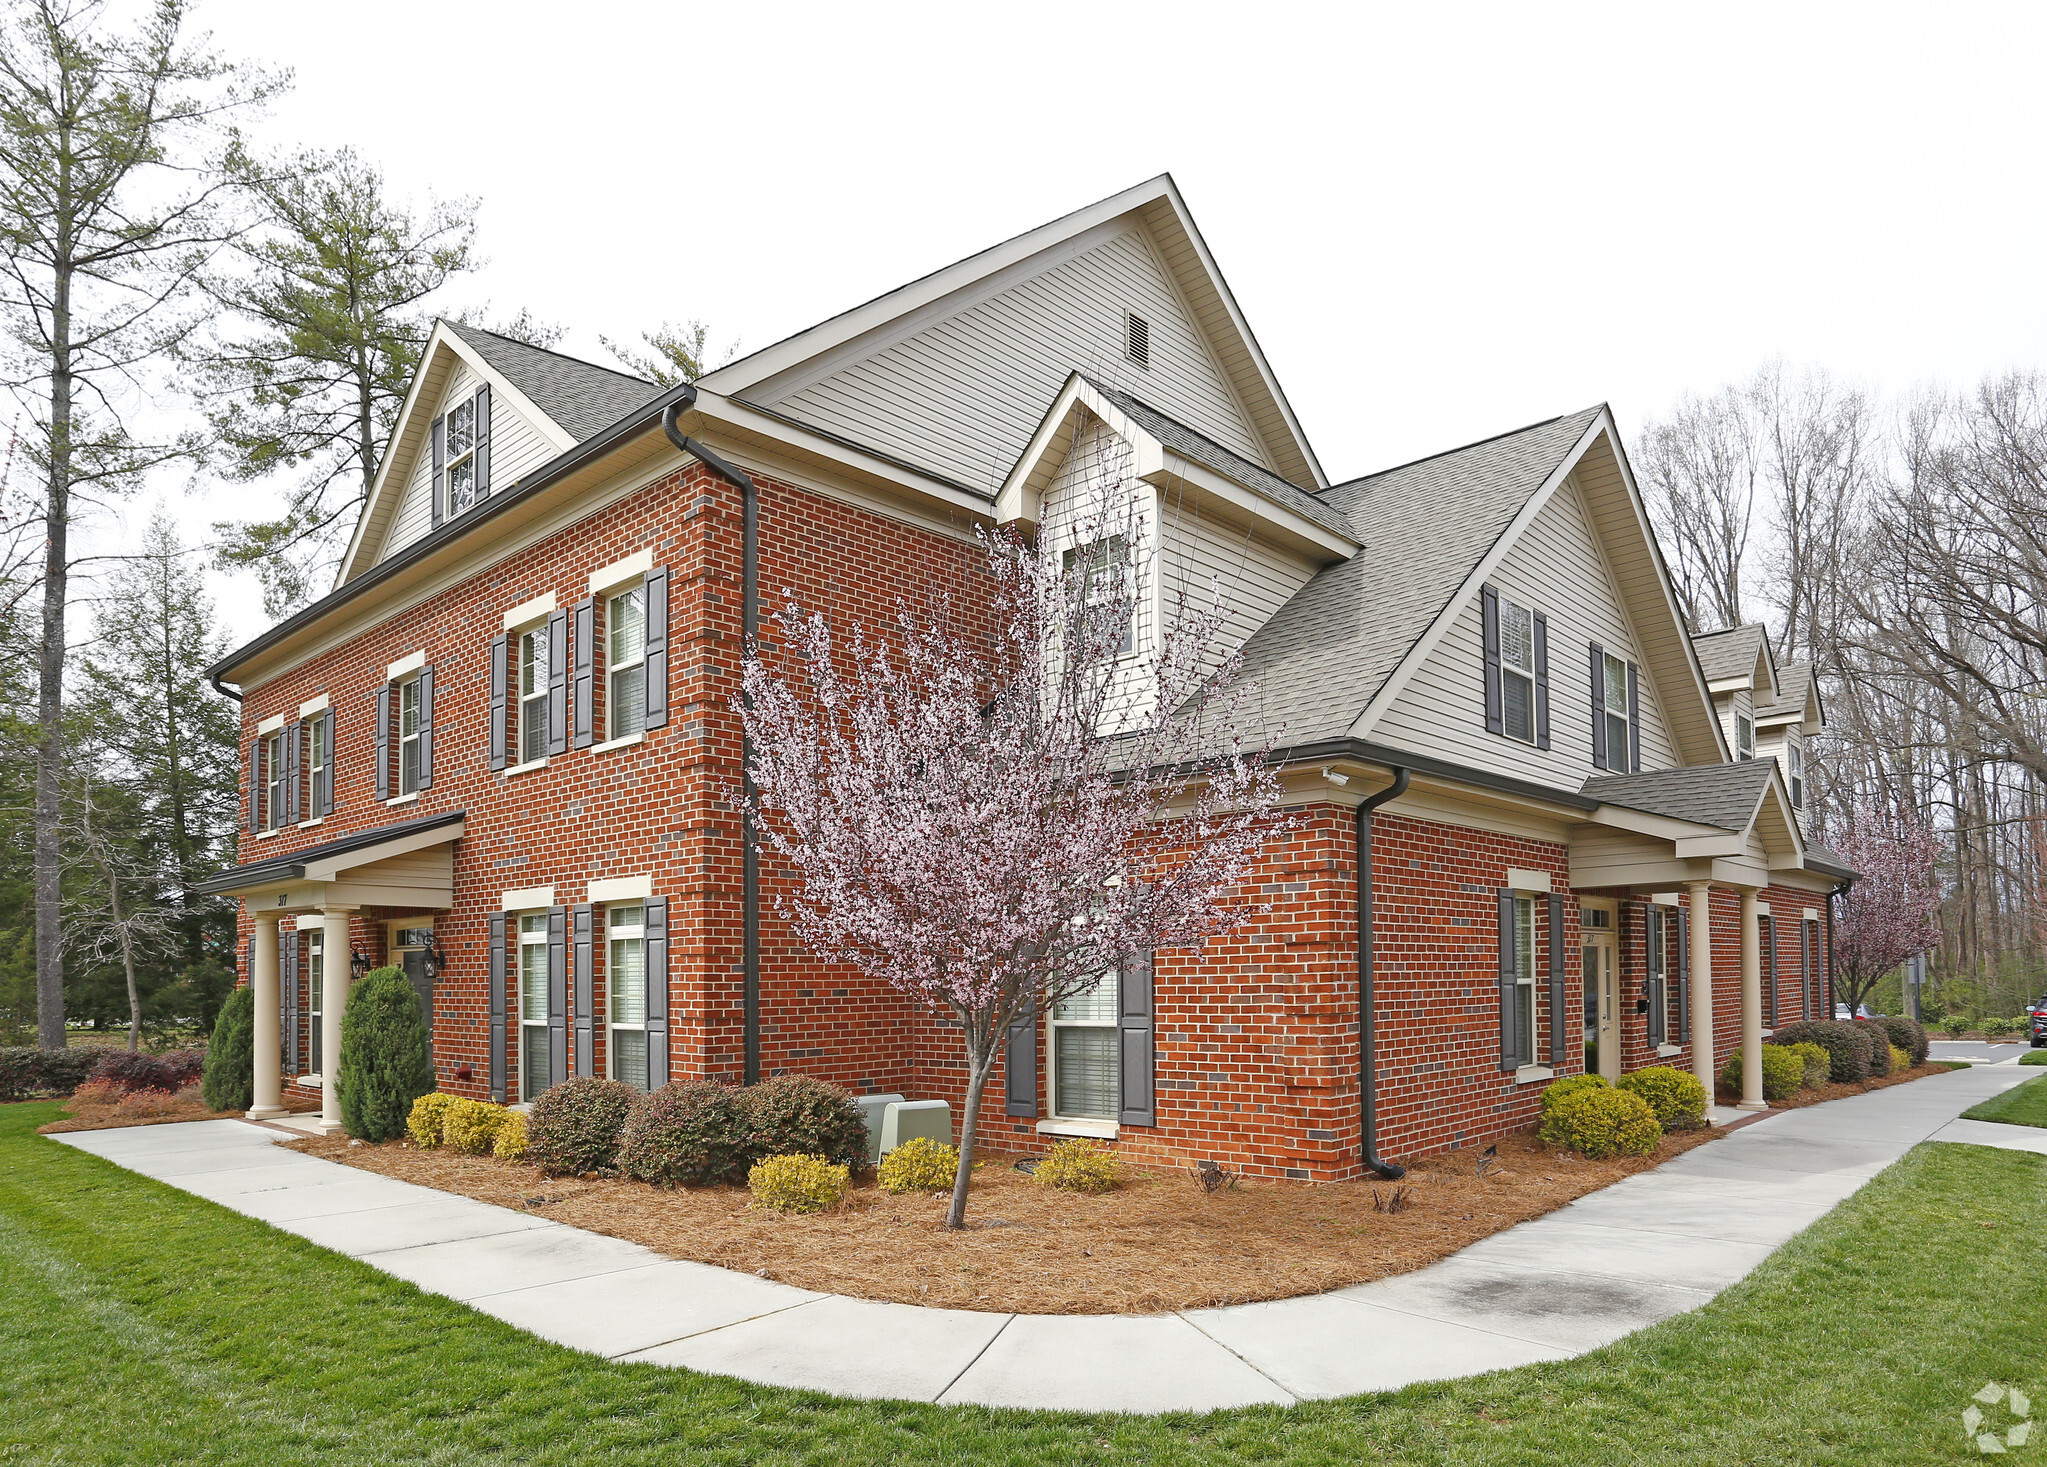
(1602, 993)
(409, 948)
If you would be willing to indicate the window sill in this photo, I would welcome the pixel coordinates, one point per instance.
(312, 1082)
(402, 799)
(309, 824)
(1665, 1051)
(270, 834)
(625, 743)
(1099, 1130)
(527, 768)
(1529, 1074)
(1768, 1032)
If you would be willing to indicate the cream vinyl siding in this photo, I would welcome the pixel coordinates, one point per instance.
(1082, 491)
(962, 397)
(1731, 706)
(516, 447)
(1556, 568)
(1254, 578)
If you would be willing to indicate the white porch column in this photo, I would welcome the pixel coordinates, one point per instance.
(1701, 919)
(263, 979)
(1752, 1001)
(334, 977)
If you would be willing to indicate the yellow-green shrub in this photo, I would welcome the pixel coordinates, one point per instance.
(1557, 1091)
(1676, 1099)
(920, 1165)
(1818, 1063)
(1079, 1165)
(471, 1126)
(1900, 1061)
(1783, 1073)
(510, 1142)
(1599, 1122)
(806, 1183)
(423, 1124)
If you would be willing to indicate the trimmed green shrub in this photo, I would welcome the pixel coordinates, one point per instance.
(1879, 1043)
(687, 1134)
(1559, 1090)
(423, 1122)
(384, 1059)
(920, 1165)
(1783, 1073)
(227, 1081)
(1818, 1063)
(1955, 1026)
(510, 1142)
(1677, 1099)
(1598, 1122)
(573, 1128)
(1847, 1046)
(797, 1183)
(1998, 1027)
(471, 1126)
(173, 1070)
(1908, 1034)
(28, 1074)
(796, 1115)
(1079, 1165)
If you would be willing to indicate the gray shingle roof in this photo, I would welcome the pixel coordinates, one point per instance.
(1793, 684)
(1232, 466)
(1425, 525)
(581, 397)
(1724, 796)
(1729, 654)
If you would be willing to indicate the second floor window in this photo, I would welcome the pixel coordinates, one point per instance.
(1109, 607)
(1744, 736)
(625, 695)
(533, 690)
(319, 756)
(1517, 670)
(273, 780)
(461, 456)
(1796, 758)
(1615, 696)
(408, 736)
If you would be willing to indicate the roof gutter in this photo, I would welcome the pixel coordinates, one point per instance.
(749, 614)
(1368, 1057)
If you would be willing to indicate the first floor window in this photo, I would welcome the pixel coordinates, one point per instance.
(1524, 978)
(626, 965)
(1085, 1074)
(315, 996)
(534, 1074)
(533, 686)
(408, 736)
(625, 699)
(273, 780)
(1615, 697)
(1517, 671)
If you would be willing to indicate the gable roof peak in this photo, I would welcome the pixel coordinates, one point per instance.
(580, 397)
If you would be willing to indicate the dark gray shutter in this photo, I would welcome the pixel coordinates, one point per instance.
(657, 648)
(426, 728)
(1510, 1042)
(256, 786)
(381, 745)
(1020, 1068)
(584, 944)
(1684, 974)
(1805, 984)
(482, 421)
(499, 687)
(557, 995)
(323, 793)
(1766, 939)
(656, 920)
(584, 668)
(558, 683)
(1541, 681)
(289, 941)
(498, 965)
(1655, 980)
(1489, 615)
(1559, 973)
(440, 484)
(1599, 707)
(1634, 719)
(293, 772)
(1136, 1033)
(249, 960)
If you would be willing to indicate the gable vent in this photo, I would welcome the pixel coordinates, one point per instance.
(1137, 338)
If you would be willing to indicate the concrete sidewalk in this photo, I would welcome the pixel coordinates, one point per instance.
(1654, 1245)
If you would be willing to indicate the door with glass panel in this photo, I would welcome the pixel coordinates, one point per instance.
(1599, 955)
(535, 1072)
(626, 1014)
(1086, 1074)
(408, 951)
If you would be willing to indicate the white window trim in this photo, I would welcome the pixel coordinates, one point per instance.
(612, 669)
(613, 934)
(526, 613)
(1529, 1074)
(1099, 1130)
(624, 741)
(309, 771)
(1524, 963)
(522, 700)
(270, 834)
(274, 805)
(314, 705)
(524, 940)
(621, 889)
(397, 800)
(399, 739)
(1526, 674)
(411, 662)
(527, 899)
(1664, 1051)
(270, 725)
(309, 824)
(619, 572)
(527, 768)
(1744, 750)
(468, 455)
(1609, 660)
(1050, 1028)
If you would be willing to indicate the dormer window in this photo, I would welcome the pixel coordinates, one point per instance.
(461, 455)
(1796, 757)
(1104, 567)
(1137, 338)
(1744, 736)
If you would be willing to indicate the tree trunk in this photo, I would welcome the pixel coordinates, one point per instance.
(49, 888)
(983, 1065)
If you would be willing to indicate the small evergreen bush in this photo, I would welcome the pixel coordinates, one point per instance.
(1955, 1026)
(1879, 1043)
(920, 1165)
(573, 1128)
(471, 1126)
(796, 1115)
(1847, 1046)
(1602, 1122)
(1676, 1099)
(384, 1060)
(1079, 1165)
(1557, 1091)
(228, 1079)
(1818, 1063)
(801, 1183)
(423, 1121)
(1909, 1035)
(510, 1142)
(1783, 1073)
(1998, 1027)
(27, 1073)
(687, 1134)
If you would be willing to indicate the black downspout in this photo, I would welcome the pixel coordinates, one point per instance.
(749, 610)
(1368, 1059)
(221, 688)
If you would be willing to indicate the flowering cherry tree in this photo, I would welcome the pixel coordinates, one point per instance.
(1893, 911)
(990, 805)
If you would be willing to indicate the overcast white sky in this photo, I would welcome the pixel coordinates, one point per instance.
(1442, 222)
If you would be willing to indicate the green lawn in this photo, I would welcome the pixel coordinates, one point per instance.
(2034, 1057)
(2022, 1105)
(140, 1325)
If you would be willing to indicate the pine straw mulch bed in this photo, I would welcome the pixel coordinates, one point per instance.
(1157, 1242)
(1798, 1100)
(86, 1116)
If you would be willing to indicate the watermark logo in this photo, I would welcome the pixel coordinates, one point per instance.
(2015, 1421)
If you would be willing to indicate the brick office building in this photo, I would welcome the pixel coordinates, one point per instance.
(497, 752)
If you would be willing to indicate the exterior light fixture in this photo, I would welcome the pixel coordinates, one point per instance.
(435, 959)
(357, 963)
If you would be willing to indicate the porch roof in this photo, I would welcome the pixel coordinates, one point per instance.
(326, 861)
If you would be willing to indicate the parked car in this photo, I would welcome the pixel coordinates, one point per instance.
(1861, 1012)
(2038, 1027)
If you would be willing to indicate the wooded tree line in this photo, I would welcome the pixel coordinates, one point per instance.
(1901, 548)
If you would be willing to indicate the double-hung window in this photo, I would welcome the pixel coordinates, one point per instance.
(1744, 736)
(409, 766)
(1517, 671)
(533, 695)
(626, 966)
(316, 988)
(273, 780)
(319, 756)
(1107, 591)
(535, 1073)
(1796, 756)
(1615, 697)
(1524, 979)
(1086, 1081)
(462, 438)
(625, 694)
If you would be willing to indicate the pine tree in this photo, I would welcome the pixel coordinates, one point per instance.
(385, 1064)
(228, 1081)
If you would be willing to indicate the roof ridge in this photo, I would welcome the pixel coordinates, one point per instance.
(463, 327)
(1461, 448)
